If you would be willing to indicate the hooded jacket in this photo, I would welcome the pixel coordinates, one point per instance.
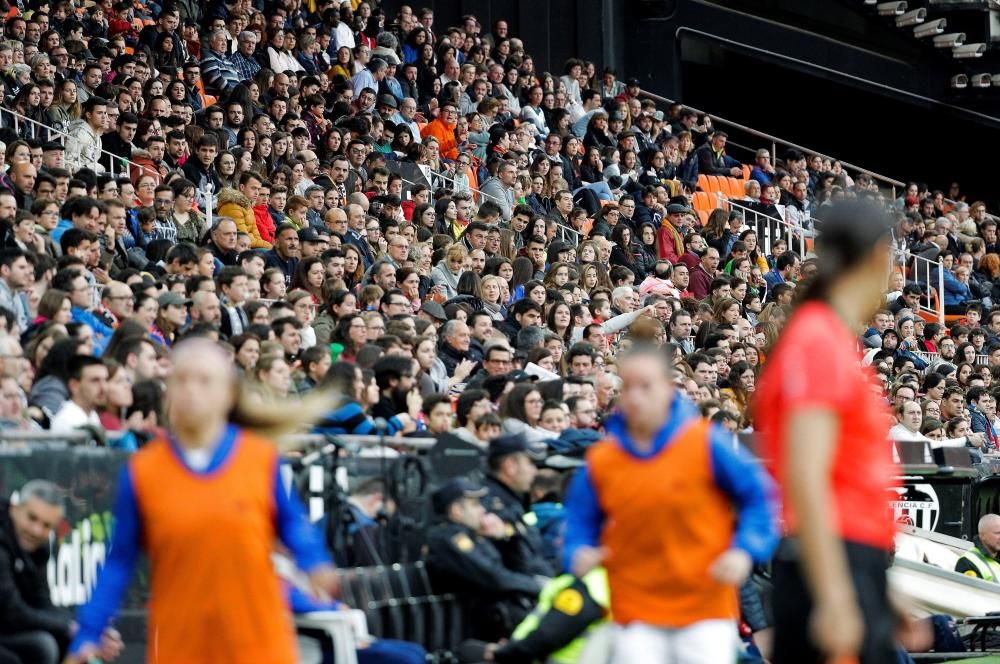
(239, 208)
(83, 147)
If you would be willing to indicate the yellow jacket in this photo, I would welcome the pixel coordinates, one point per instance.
(239, 208)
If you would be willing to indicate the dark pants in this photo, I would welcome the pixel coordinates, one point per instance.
(793, 607)
(29, 648)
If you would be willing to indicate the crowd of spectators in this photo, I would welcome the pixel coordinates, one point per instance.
(419, 220)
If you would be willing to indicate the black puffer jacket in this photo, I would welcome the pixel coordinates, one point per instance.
(25, 604)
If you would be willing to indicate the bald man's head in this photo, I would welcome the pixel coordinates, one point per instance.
(989, 533)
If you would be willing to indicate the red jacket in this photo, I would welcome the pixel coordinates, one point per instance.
(265, 224)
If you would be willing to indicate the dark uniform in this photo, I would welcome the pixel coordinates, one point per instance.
(524, 548)
(495, 598)
(557, 629)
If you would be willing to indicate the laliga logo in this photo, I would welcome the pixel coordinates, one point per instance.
(74, 563)
(917, 505)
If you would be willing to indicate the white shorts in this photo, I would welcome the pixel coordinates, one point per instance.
(705, 642)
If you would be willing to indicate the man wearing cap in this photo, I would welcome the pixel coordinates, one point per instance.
(387, 106)
(631, 90)
(511, 470)
(370, 77)
(434, 312)
(52, 155)
(671, 242)
(311, 243)
(461, 558)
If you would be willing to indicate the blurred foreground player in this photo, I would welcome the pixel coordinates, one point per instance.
(208, 507)
(824, 432)
(676, 516)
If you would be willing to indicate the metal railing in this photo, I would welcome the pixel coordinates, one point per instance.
(922, 271)
(566, 233)
(769, 229)
(316, 440)
(929, 358)
(776, 141)
(291, 441)
(43, 132)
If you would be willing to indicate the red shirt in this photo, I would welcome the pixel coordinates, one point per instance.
(816, 364)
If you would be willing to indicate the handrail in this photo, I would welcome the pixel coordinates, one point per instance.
(923, 267)
(928, 357)
(574, 233)
(359, 441)
(765, 238)
(293, 440)
(453, 181)
(61, 136)
(779, 141)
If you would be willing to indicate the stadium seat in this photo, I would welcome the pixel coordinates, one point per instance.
(703, 201)
(714, 186)
(746, 172)
(703, 182)
(703, 215)
(399, 603)
(736, 188)
(338, 629)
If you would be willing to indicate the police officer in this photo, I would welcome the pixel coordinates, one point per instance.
(512, 470)
(558, 628)
(462, 559)
(982, 560)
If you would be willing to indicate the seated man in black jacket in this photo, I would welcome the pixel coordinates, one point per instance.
(713, 160)
(32, 629)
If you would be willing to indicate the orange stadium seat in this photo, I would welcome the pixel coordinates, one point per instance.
(713, 184)
(746, 172)
(703, 216)
(703, 182)
(703, 201)
(736, 188)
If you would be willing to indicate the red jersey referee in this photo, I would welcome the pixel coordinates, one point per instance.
(825, 434)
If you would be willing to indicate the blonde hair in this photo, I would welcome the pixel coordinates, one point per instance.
(269, 418)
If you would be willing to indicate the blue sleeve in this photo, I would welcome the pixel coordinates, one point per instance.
(114, 578)
(951, 284)
(294, 528)
(395, 426)
(584, 518)
(753, 494)
(303, 603)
